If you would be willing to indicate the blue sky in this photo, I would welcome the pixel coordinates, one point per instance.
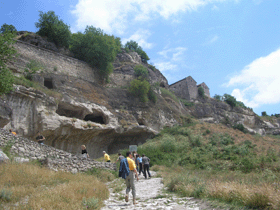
(231, 45)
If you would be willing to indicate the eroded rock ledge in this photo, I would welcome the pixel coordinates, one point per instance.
(53, 158)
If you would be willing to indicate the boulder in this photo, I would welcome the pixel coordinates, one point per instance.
(3, 157)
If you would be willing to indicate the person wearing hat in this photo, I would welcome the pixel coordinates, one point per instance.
(106, 157)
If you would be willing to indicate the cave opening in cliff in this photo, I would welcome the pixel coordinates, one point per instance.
(66, 110)
(48, 83)
(141, 122)
(96, 118)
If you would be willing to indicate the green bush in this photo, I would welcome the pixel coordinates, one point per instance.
(6, 195)
(240, 127)
(141, 72)
(132, 45)
(6, 80)
(140, 88)
(54, 29)
(201, 92)
(31, 68)
(97, 49)
(152, 95)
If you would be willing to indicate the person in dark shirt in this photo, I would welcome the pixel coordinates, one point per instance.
(146, 165)
(40, 138)
(84, 152)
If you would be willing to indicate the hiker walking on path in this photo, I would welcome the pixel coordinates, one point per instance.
(84, 152)
(139, 161)
(40, 138)
(106, 157)
(127, 167)
(146, 165)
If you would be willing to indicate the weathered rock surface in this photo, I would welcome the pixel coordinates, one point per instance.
(3, 157)
(213, 111)
(53, 158)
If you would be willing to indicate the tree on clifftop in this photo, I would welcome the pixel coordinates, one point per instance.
(132, 45)
(54, 29)
(97, 49)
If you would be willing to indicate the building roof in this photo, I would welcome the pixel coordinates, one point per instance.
(186, 78)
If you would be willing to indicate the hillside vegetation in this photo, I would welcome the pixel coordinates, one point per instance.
(218, 163)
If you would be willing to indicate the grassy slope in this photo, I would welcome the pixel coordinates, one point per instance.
(218, 163)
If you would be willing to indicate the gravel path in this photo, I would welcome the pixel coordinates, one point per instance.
(149, 195)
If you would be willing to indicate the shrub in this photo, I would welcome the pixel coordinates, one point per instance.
(152, 95)
(141, 71)
(229, 100)
(5, 195)
(97, 49)
(240, 127)
(31, 68)
(6, 80)
(140, 88)
(132, 45)
(54, 29)
(201, 92)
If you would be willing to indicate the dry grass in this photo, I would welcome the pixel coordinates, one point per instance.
(48, 189)
(254, 190)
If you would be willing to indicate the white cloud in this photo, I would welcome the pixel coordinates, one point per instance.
(140, 37)
(174, 54)
(116, 15)
(170, 59)
(259, 81)
(211, 40)
(165, 66)
(215, 8)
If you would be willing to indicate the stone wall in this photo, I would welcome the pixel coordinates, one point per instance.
(54, 158)
(51, 61)
(187, 88)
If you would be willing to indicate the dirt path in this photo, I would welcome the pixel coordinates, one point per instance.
(149, 194)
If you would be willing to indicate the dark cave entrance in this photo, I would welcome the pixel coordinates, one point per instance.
(95, 118)
(48, 83)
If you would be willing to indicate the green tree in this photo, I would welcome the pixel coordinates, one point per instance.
(132, 45)
(201, 92)
(53, 28)
(97, 49)
(230, 100)
(218, 97)
(264, 113)
(6, 53)
(7, 28)
(140, 88)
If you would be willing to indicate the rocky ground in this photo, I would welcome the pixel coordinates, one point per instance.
(150, 195)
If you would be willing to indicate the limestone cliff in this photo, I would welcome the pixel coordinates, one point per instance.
(71, 107)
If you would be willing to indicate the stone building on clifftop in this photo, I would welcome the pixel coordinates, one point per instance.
(187, 88)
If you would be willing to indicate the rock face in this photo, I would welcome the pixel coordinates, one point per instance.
(213, 111)
(71, 107)
(53, 158)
